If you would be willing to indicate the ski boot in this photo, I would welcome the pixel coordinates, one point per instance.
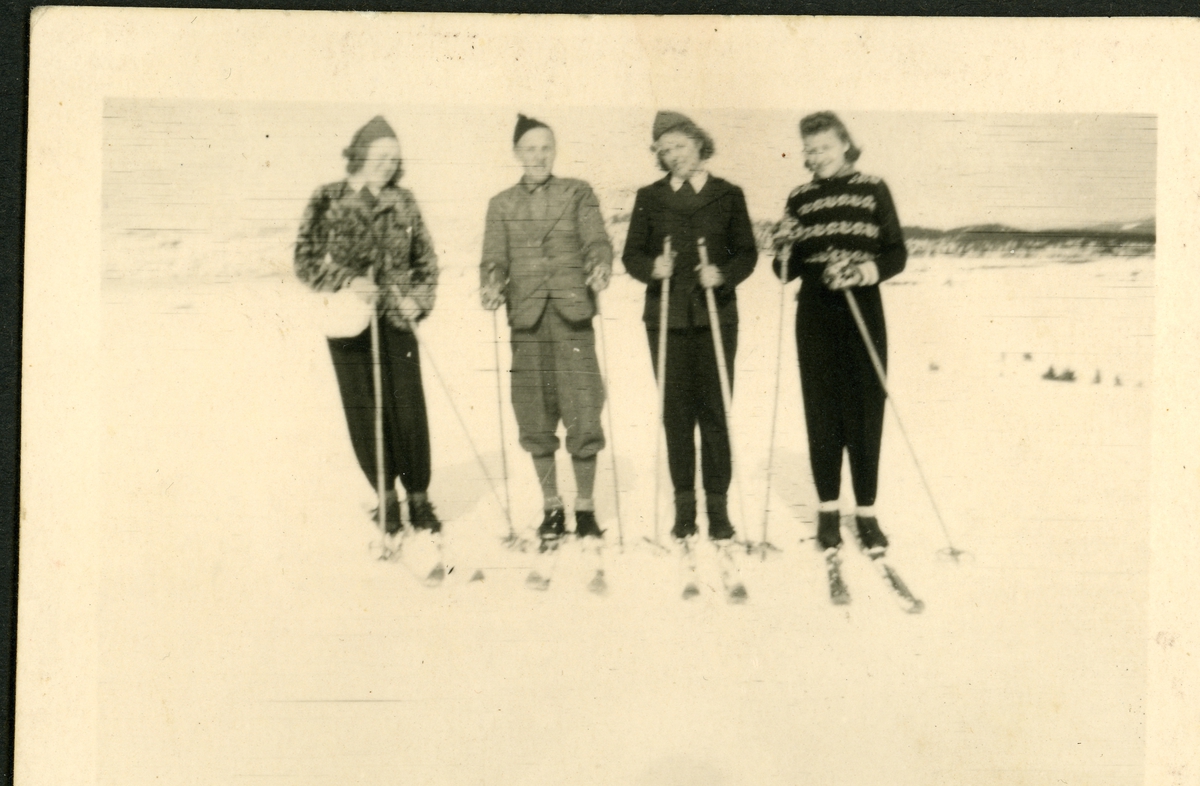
(422, 516)
(685, 515)
(391, 514)
(874, 542)
(586, 526)
(829, 530)
(719, 526)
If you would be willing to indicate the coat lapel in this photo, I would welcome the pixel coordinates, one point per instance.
(713, 190)
(558, 199)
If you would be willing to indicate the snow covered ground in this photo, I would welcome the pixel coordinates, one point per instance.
(247, 638)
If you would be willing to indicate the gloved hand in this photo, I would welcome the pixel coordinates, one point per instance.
(841, 275)
(599, 277)
(844, 275)
(664, 265)
(492, 296)
(710, 276)
(410, 310)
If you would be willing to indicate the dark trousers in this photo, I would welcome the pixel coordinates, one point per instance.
(405, 424)
(693, 396)
(843, 400)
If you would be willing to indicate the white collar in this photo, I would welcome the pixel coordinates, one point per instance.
(698, 179)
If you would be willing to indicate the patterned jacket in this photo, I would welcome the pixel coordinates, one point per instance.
(540, 244)
(345, 234)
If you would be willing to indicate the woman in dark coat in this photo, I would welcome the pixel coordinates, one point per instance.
(687, 205)
(840, 232)
(365, 234)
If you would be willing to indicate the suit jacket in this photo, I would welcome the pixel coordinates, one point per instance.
(718, 214)
(540, 244)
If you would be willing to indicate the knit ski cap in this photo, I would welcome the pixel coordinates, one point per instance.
(667, 120)
(376, 128)
(525, 125)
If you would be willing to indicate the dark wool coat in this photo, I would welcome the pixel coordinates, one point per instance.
(718, 214)
(345, 233)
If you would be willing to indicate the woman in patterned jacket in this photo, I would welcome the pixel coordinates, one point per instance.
(365, 234)
(840, 232)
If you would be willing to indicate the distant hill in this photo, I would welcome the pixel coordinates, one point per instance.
(1134, 238)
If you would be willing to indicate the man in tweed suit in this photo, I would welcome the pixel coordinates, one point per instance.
(545, 255)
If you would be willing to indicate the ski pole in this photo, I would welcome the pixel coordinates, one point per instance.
(377, 381)
(951, 551)
(612, 441)
(766, 546)
(664, 306)
(723, 376)
(510, 539)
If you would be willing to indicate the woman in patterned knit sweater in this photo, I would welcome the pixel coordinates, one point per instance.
(840, 232)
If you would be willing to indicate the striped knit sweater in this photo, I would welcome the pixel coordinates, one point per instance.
(844, 218)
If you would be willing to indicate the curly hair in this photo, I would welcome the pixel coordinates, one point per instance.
(828, 121)
(693, 132)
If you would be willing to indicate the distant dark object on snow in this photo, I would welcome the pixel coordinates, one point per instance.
(1029, 356)
(1096, 379)
(934, 367)
(1117, 382)
(1067, 375)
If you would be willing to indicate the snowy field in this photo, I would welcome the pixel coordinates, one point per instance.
(246, 637)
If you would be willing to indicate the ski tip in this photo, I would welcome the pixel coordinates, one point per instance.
(916, 607)
(737, 594)
(598, 585)
(435, 576)
(536, 581)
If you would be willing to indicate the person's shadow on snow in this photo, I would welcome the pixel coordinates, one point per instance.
(791, 485)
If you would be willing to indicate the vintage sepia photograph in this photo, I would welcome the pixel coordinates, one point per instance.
(673, 433)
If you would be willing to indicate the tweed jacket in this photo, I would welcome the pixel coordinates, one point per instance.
(540, 244)
(718, 214)
(345, 234)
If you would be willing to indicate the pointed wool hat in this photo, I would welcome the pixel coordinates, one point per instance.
(666, 120)
(525, 125)
(376, 128)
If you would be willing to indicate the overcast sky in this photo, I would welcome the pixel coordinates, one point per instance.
(247, 168)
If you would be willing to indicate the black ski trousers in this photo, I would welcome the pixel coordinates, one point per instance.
(843, 400)
(406, 451)
(693, 397)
